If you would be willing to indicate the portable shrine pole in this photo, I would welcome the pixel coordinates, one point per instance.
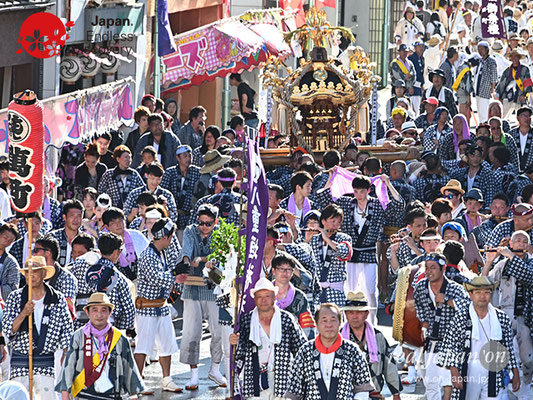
(26, 160)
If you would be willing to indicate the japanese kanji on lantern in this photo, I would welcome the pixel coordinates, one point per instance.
(26, 152)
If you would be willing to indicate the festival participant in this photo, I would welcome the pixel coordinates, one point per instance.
(331, 250)
(99, 362)
(517, 187)
(134, 241)
(164, 141)
(199, 299)
(449, 150)
(299, 203)
(153, 322)
(191, 133)
(154, 175)
(437, 89)
(471, 219)
(180, 181)
(399, 91)
(428, 184)
(404, 249)
(437, 300)
(72, 215)
(227, 201)
(496, 110)
(485, 80)
(514, 273)
(289, 298)
(311, 222)
(523, 135)
(497, 135)
(372, 343)
(105, 156)
(97, 273)
(20, 249)
(441, 209)
(499, 208)
(409, 29)
(473, 327)
(214, 161)
(417, 58)
(329, 366)
(52, 329)
(82, 244)
(522, 220)
(89, 173)
(212, 133)
(430, 241)
(140, 115)
(447, 66)
(62, 280)
(118, 182)
(144, 200)
(514, 85)
(95, 225)
(267, 342)
(435, 133)
(9, 267)
(454, 192)
(364, 221)
(148, 156)
(428, 117)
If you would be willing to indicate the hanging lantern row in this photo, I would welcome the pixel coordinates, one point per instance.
(73, 66)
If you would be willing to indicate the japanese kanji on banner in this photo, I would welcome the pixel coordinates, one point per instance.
(491, 19)
(26, 152)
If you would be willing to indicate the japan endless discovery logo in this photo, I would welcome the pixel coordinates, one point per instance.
(43, 35)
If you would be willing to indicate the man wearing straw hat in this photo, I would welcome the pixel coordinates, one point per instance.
(478, 346)
(52, 328)
(372, 343)
(330, 366)
(515, 83)
(437, 300)
(267, 342)
(99, 363)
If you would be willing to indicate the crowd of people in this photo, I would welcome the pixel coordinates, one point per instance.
(131, 238)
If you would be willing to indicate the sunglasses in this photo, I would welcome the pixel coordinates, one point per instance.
(449, 196)
(208, 224)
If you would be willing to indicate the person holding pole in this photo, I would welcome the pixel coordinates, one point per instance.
(51, 329)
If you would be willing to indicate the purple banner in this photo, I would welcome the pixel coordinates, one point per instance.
(165, 38)
(256, 222)
(491, 19)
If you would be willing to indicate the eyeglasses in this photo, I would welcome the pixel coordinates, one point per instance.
(285, 270)
(38, 249)
(208, 224)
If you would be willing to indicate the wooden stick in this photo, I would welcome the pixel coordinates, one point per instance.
(459, 6)
(30, 317)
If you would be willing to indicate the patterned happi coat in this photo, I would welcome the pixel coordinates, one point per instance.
(349, 365)
(292, 338)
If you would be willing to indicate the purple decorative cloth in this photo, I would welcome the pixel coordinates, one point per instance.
(466, 132)
(370, 337)
(287, 301)
(341, 183)
(292, 205)
(89, 330)
(381, 191)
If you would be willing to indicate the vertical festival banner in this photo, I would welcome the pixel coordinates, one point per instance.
(26, 152)
(491, 19)
(256, 223)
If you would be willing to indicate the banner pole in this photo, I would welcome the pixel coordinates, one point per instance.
(30, 317)
(458, 9)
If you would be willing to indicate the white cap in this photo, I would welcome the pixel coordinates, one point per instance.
(264, 284)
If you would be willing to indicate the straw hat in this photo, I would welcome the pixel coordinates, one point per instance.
(38, 262)
(453, 184)
(356, 301)
(434, 40)
(213, 161)
(99, 299)
(480, 282)
(517, 52)
(264, 284)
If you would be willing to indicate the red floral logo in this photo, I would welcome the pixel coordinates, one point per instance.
(43, 35)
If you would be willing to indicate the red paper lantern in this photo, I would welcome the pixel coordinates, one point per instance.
(26, 152)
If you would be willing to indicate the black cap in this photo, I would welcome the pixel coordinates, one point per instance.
(524, 109)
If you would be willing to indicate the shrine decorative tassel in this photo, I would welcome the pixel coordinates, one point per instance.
(26, 152)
